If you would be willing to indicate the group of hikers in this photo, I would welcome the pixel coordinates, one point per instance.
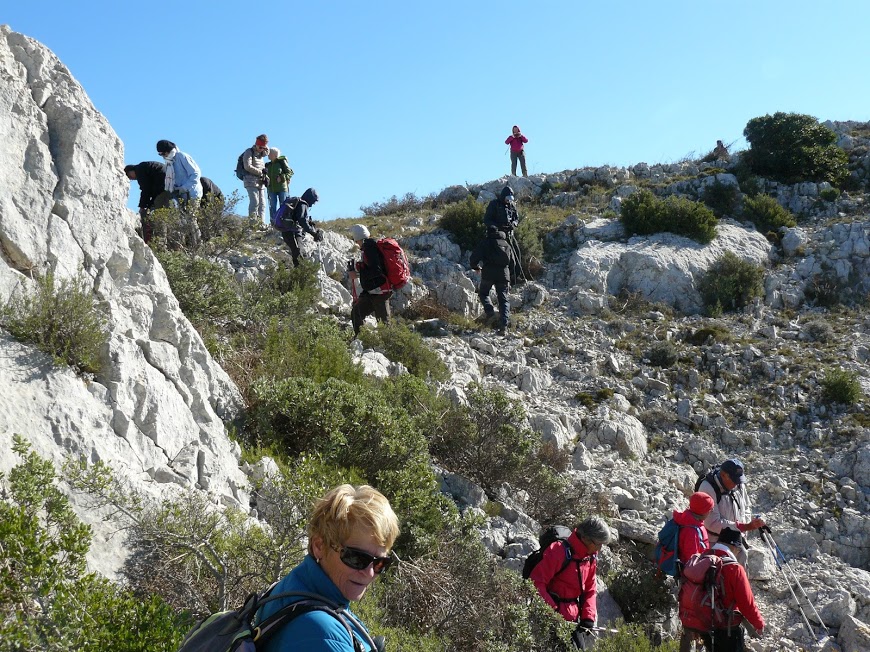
(352, 531)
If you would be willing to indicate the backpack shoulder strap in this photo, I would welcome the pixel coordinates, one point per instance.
(268, 627)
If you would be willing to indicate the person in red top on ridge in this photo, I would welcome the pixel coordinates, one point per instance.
(516, 140)
(738, 595)
(570, 589)
(692, 539)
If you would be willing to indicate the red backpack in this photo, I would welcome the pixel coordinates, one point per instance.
(702, 594)
(396, 267)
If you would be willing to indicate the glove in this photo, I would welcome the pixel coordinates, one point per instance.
(587, 624)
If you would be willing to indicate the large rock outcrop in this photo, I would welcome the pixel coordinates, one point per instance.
(155, 412)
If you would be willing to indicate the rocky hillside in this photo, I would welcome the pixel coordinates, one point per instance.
(608, 352)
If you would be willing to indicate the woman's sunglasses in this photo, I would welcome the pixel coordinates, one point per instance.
(361, 560)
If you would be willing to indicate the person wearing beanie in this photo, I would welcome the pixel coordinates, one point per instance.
(496, 257)
(570, 588)
(299, 222)
(255, 181)
(371, 271)
(692, 540)
(737, 596)
(517, 141)
(732, 507)
(183, 182)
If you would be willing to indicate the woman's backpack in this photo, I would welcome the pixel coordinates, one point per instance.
(235, 631)
(702, 595)
(396, 267)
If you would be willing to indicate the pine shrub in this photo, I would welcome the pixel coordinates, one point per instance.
(60, 318)
(206, 291)
(792, 147)
(841, 386)
(722, 198)
(401, 344)
(644, 214)
(730, 283)
(766, 213)
(464, 221)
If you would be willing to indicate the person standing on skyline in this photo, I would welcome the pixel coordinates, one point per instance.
(516, 141)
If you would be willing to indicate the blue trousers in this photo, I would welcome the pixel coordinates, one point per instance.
(501, 290)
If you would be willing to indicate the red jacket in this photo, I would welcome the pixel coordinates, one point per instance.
(516, 142)
(738, 595)
(576, 581)
(691, 540)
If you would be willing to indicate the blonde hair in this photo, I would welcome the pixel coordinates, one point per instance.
(345, 508)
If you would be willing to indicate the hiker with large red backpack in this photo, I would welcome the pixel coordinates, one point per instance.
(565, 576)
(715, 596)
(382, 270)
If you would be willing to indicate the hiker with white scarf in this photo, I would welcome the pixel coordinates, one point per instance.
(183, 184)
(182, 172)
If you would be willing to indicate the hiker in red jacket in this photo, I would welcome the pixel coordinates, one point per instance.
(692, 540)
(516, 140)
(570, 589)
(737, 596)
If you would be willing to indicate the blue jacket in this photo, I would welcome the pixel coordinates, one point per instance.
(315, 631)
(187, 175)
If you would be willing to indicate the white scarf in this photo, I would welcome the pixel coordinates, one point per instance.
(169, 184)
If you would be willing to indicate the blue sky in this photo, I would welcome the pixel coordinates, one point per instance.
(369, 100)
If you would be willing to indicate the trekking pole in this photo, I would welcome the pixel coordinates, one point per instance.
(768, 540)
(765, 532)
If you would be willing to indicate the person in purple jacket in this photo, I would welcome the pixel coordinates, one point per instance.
(516, 140)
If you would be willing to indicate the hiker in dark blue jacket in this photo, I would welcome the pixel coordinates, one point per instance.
(350, 538)
(300, 223)
(151, 179)
(502, 212)
(496, 256)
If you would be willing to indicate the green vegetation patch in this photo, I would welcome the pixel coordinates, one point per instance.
(644, 214)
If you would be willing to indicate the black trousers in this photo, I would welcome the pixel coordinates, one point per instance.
(366, 304)
(724, 640)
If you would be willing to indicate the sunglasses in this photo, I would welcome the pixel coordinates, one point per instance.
(361, 560)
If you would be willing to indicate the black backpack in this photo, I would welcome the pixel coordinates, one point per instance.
(548, 535)
(710, 476)
(240, 167)
(235, 631)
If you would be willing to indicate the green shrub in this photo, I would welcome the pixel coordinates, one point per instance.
(408, 203)
(401, 344)
(529, 236)
(730, 284)
(486, 441)
(284, 292)
(633, 638)
(830, 194)
(60, 319)
(311, 347)
(722, 198)
(766, 213)
(355, 426)
(207, 293)
(662, 354)
(792, 147)
(827, 289)
(644, 214)
(841, 386)
(209, 230)
(464, 221)
(47, 599)
(641, 592)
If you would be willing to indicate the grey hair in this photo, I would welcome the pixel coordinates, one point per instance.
(275, 151)
(596, 529)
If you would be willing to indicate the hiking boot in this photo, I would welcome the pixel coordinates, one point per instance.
(501, 331)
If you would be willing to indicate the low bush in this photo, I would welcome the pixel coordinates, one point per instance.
(792, 147)
(828, 290)
(464, 221)
(722, 198)
(529, 237)
(284, 292)
(662, 354)
(633, 638)
(401, 344)
(830, 194)
(408, 203)
(766, 213)
(640, 591)
(841, 386)
(730, 283)
(48, 600)
(644, 214)
(207, 293)
(60, 318)
(209, 230)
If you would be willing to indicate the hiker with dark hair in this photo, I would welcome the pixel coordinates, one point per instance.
(253, 160)
(721, 152)
(721, 633)
(570, 588)
(495, 255)
(732, 509)
(518, 153)
(278, 174)
(371, 270)
(298, 222)
(151, 179)
(210, 190)
(692, 540)
(350, 538)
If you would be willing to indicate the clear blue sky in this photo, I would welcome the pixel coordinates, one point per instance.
(373, 99)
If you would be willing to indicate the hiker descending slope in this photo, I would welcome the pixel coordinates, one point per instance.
(350, 538)
(294, 220)
(502, 213)
(494, 253)
(715, 596)
(382, 270)
(570, 588)
(151, 179)
(726, 485)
